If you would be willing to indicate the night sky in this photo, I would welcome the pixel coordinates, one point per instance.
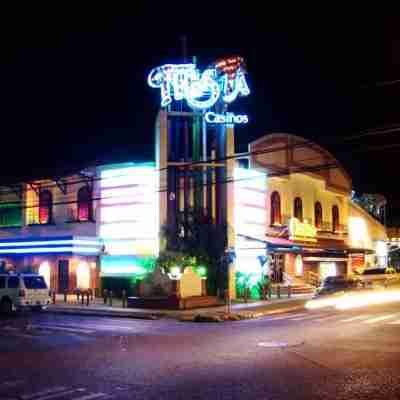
(73, 86)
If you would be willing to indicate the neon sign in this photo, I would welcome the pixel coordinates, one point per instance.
(225, 81)
(228, 118)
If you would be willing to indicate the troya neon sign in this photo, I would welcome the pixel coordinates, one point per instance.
(225, 81)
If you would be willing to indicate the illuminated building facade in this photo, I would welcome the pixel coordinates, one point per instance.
(49, 226)
(312, 227)
(291, 211)
(100, 223)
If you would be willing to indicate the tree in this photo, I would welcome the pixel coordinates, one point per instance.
(200, 237)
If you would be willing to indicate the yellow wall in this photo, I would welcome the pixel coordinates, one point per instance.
(364, 230)
(310, 190)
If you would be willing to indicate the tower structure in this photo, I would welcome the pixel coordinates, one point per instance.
(195, 143)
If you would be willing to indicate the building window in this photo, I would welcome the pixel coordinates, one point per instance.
(84, 204)
(318, 215)
(335, 218)
(276, 209)
(298, 209)
(45, 207)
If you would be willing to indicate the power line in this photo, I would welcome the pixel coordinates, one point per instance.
(18, 205)
(202, 162)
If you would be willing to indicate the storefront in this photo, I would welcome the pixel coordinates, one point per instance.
(66, 262)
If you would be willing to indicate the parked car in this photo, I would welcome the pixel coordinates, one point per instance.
(23, 291)
(380, 276)
(338, 284)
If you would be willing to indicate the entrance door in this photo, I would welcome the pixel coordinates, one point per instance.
(278, 267)
(63, 275)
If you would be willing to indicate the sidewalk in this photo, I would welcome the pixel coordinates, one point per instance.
(239, 310)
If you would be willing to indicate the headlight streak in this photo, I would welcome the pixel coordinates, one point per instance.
(355, 300)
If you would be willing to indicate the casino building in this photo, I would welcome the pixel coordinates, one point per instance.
(290, 212)
(310, 226)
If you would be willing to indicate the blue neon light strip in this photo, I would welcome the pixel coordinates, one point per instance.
(50, 243)
(29, 250)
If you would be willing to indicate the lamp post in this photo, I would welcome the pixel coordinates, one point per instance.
(229, 258)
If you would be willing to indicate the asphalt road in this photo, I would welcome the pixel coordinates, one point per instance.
(320, 354)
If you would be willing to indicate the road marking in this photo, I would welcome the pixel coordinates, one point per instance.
(30, 396)
(273, 344)
(65, 329)
(289, 316)
(55, 395)
(9, 328)
(91, 327)
(93, 396)
(395, 322)
(378, 319)
(106, 327)
(330, 316)
(355, 318)
(309, 316)
(24, 336)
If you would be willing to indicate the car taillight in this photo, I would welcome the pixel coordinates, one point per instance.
(21, 293)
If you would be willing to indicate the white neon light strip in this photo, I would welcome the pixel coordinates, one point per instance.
(51, 250)
(136, 178)
(129, 171)
(127, 212)
(126, 230)
(51, 242)
(142, 247)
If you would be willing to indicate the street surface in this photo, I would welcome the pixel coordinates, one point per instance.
(318, 354)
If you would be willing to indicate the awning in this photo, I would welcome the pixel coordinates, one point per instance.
(275, 241)
(281, 244)
(271, 243)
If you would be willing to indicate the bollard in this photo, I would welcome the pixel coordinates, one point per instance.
(77, 295)
(82, 298)
(289, 291)
(105, 295)
(269, 291)
(123, 298)
(91, 294)
(65, 296)
(53, 296)
(278, 291)
(110, 298)
(227, 301)
(87, 298)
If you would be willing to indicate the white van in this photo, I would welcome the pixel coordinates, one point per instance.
(23, 291)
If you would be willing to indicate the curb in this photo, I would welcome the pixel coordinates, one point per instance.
(198, 317)
(240, 316)
(91, 313)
